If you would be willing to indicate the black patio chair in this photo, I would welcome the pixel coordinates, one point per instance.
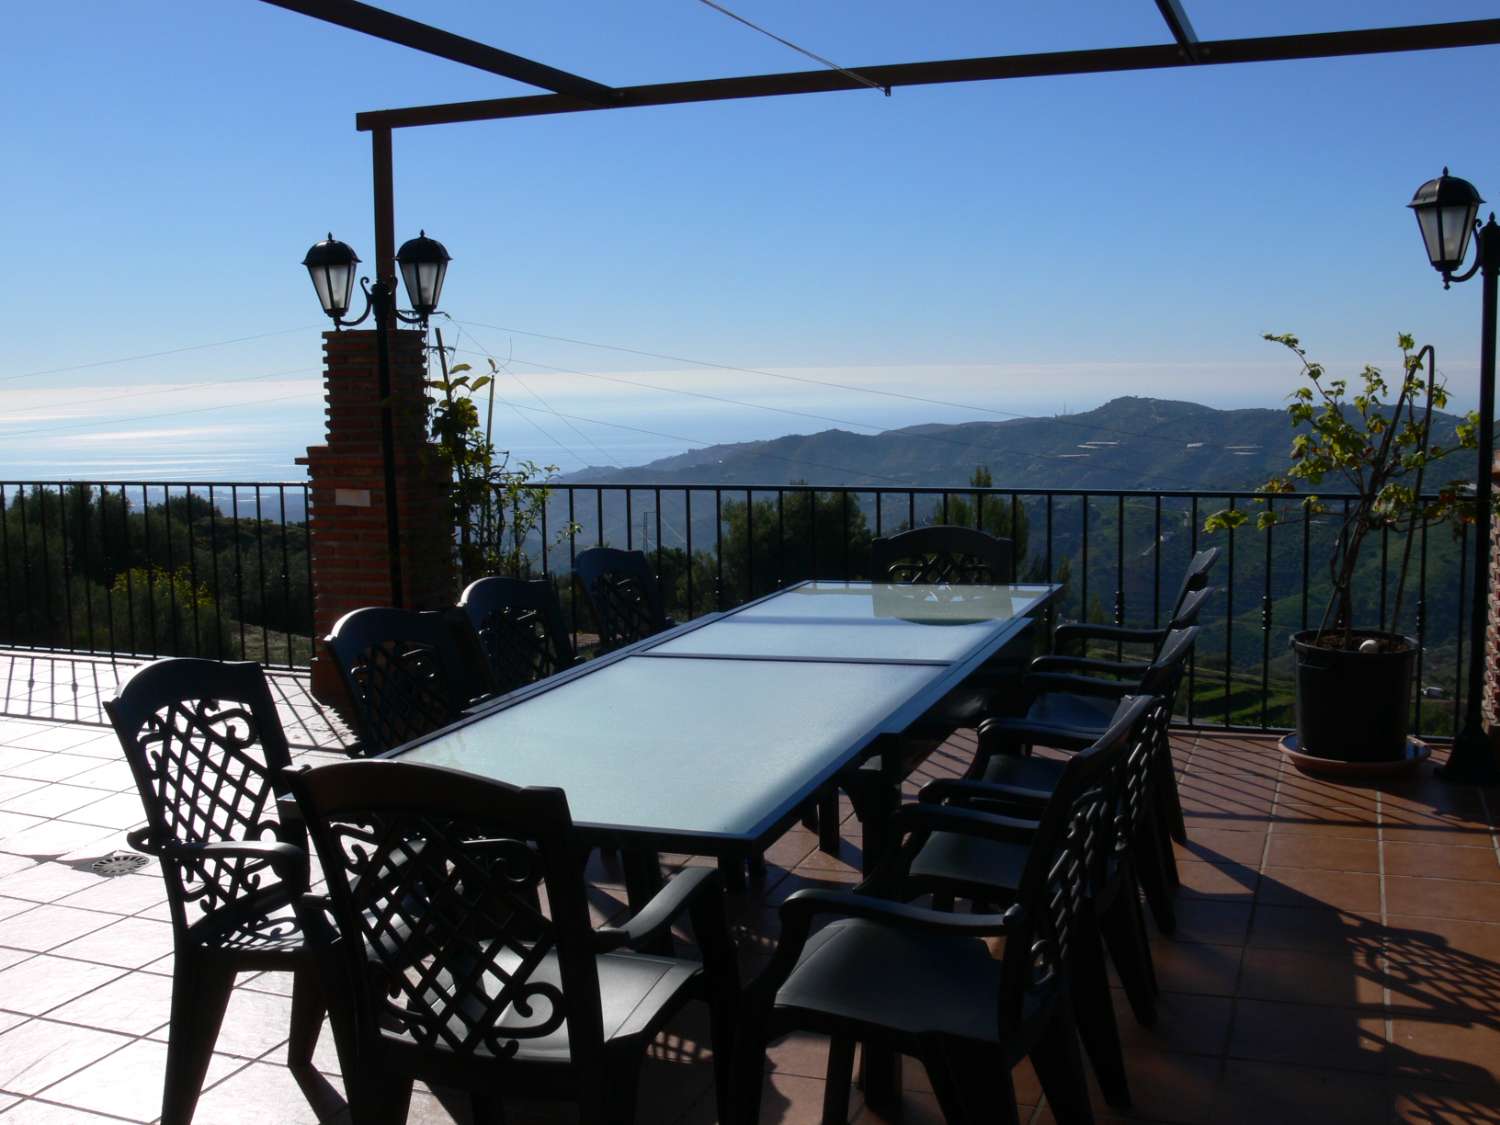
(520, 629)
(204, 743)
(930, 983)
(452, 972)
(943, 554)
(1183, 617)
(405, 672)
(953, 866)
(1069, 712)
(1194, 579)
(622, 594)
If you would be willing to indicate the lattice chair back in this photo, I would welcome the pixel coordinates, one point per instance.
(1070, 852)
(622, 593)
(435, 879)
(1135, 793)
(943, 555)
(204, 742)
(403, 672)
(520, 630)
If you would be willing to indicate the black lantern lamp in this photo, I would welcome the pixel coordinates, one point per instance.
(1447, 209)
(424, 264)
(331, 264)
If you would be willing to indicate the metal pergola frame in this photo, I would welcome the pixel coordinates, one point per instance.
(571, 93)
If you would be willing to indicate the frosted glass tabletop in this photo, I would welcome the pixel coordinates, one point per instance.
(716, 748)
(864, 621)
(886, 601)
(824, 640)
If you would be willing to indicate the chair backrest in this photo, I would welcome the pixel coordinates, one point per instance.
(622, 593)
(520, 630)
(435, 879)
(1165, 672)
(403, 671)
(1074, 842)
(1190, 607)
(1196, 576)
(943, 555)
(204, 743)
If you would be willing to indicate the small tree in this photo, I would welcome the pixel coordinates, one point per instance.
(1379, 449)
(494, 507)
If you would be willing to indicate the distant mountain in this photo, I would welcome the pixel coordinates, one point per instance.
(1129, 442)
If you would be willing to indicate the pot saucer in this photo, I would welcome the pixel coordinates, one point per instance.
(1335, 768)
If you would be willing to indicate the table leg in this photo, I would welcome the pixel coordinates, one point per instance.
(732, 871)
(875, 795)
(642, 876)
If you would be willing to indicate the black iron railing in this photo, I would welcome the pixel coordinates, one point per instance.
(154, 568)
(223, 570)
(1119, 554)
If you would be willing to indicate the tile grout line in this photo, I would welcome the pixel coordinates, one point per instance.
(1239, 975)
(1388, 1023)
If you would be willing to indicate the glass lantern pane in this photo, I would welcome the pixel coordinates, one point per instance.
(320, 282)
(1427, 220)
(1457, 221)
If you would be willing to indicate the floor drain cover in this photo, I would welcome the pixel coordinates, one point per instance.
(121, 863)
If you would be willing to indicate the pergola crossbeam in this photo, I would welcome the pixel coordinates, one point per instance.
(1383, 40)
(444, 44)
(1180, 26)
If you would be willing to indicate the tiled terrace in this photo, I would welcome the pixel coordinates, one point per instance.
(1337, 957)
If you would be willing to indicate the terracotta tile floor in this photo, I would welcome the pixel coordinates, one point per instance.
(1337, 959)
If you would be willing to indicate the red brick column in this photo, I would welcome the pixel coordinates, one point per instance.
(347, 518)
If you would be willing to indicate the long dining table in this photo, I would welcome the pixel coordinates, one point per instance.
(709, 738)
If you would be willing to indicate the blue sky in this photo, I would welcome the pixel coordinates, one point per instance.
(1022, 247)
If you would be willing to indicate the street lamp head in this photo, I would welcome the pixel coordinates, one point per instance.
(424, 263)
(1445, 210)
(331, 264)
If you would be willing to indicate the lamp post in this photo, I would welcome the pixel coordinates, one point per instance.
(1447, 211)
(424, 264)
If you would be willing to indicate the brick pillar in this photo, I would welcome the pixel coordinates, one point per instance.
(347, 518)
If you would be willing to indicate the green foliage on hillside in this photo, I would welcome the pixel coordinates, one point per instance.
(85, 569)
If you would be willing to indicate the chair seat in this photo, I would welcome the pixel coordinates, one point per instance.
(1065, 709)
(1030, 772)
(911, 983)
(274, 934)
(970, 861)
(637, 993)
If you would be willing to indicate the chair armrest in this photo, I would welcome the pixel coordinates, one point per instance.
(798, 910)
(1055, 663)
(655, 919)
(957, 791)
(1080, 630)
(289, 861)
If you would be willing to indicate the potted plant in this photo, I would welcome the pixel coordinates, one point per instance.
(1353, 684)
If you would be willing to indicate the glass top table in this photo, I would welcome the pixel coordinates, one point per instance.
(707, 739)
(863, 621)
